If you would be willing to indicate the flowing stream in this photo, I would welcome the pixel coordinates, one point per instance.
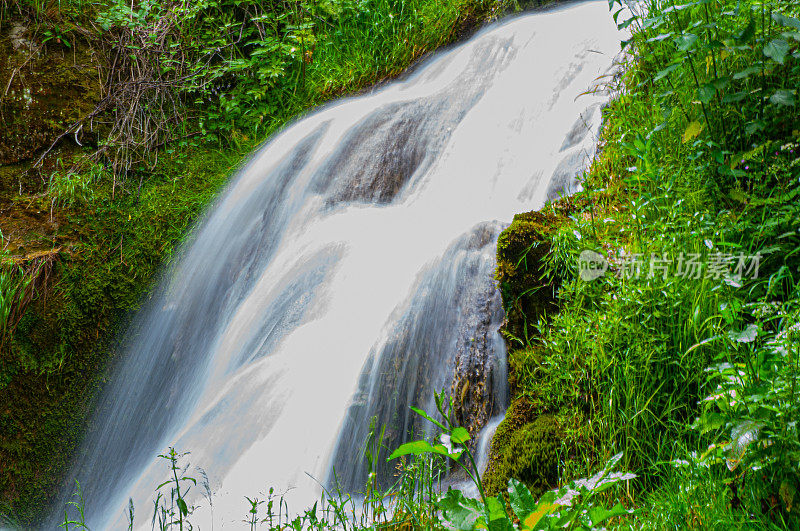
(346, 274)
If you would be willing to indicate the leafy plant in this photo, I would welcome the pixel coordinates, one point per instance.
(68, 187)
(570, 507)
(79, 504)
(173, 510)
(57, 35)
(698, 160)
(754, 406)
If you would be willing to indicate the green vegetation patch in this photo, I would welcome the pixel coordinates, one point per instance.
(62, 341)
(681, 352)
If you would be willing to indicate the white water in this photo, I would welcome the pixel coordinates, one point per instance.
(354, 252)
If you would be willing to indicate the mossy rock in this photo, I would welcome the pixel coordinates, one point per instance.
(521, 250)
(524, 449)
(50, 86)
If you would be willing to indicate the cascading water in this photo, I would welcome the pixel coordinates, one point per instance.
(347, 273)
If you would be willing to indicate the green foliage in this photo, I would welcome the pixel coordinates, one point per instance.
(117, 242)
(573, 506)
(570, 506)
(16, 291)
(753, 408)
(57, 35)
(172, 510)
(247, 66)
(728, 71)
(79, 504)
(453, 443)
(12, 287)
(68, 187)
(415, 501)
(129, 15)
(687, 374)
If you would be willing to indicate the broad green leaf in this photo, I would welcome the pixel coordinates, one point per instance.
(788, 22)
(692, 130)
(462, 513)
(706, 92)
(522, 501)
(600, 514)
(665, 72)
(783, 97)
(742, 436)
(660, 37)
(182, 506)
(447, 445)
(459, 435)
(686, 42)
(679, 7)
(730, 310)
(747, 72)
(776, 49)
(733, 98)
(501, 524)
(418, 448)
(626, 23)
(711, 421)
(721, 82)
(653, 22)
(754, 126)
(496, 511)
(746, 35)
(748, 335)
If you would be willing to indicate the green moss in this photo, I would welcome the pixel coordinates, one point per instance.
(526, 444)
(521, 249)
(525, 447)
(117, 243)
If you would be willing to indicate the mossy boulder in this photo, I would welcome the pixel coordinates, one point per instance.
(525, 447)
(521, 250)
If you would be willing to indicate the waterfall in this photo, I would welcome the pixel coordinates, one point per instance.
(346, 273)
